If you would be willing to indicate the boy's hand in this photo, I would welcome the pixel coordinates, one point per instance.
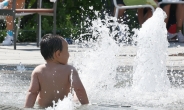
(79, 88)
(152, 3)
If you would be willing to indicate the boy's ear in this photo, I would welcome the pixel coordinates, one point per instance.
(57, 54)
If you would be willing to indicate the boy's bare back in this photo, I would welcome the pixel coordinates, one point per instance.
(51, 81)
(55, 82)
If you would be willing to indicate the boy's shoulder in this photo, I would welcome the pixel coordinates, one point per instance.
(39, 68)
(68, 67)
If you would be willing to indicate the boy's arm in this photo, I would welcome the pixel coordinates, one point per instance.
(79, 88)
(33, 91)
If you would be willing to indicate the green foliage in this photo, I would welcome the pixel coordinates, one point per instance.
(2, 30)
(2, 35)
(132, 19)
(72, 16)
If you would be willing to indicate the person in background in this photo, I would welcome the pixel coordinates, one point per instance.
(4, 4)
(179, 21)
(9, 19)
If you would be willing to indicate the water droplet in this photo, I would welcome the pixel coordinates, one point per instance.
(58, 92)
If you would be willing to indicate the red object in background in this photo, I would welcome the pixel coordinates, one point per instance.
(172, 29)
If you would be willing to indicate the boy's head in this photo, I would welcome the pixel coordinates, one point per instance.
(54, 47)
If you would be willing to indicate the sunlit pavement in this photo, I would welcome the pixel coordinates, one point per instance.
(29, 54)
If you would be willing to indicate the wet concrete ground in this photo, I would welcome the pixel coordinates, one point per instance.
(28, 54)
(6, 107)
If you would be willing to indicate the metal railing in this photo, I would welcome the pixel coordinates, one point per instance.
(130, 7)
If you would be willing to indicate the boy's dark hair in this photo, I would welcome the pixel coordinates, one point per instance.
(49, 44)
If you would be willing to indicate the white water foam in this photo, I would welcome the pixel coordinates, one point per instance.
(150, 73)
(21, 68)
(97, 66)
(65, 104)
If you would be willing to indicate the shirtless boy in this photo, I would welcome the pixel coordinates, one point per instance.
(51, 81)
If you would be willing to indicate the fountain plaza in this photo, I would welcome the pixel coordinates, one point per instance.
(147, 75)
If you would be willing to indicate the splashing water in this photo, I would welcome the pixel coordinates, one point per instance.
(98, 65)
(150, 63)
(21, 68)
(65, 104)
